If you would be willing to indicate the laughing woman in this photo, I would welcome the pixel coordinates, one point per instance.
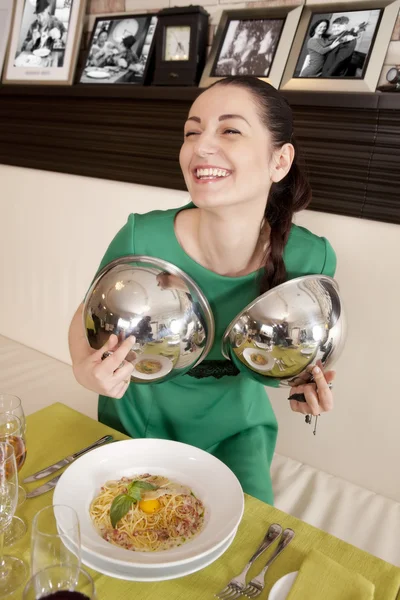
(236, 239)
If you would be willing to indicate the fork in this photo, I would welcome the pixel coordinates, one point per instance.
(257, 584)
(235, 586)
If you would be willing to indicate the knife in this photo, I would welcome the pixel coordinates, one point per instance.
(46, 487)
(65, 461)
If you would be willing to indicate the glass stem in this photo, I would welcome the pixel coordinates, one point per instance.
(2, 561)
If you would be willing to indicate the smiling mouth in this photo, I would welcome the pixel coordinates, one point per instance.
(210, 174)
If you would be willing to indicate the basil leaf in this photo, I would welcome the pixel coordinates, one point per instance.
(120, 506)
(134, 493)
(144, 485)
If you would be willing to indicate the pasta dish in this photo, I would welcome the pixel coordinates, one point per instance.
(258, 359)
(148, 366)
(146, 513)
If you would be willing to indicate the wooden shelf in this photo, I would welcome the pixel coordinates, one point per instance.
(351, 142)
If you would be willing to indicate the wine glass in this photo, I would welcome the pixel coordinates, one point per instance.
(12, 569)
(12, 431)
(56, 538)
(12, 404)
(61, 582)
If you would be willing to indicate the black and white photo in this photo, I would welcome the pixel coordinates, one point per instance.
(120, 49)
(249, 47)
(43, 34)
(253, 41)
(44, 41)
(338, 44)
(340, 47)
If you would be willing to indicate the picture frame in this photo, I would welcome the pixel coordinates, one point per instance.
(6, 13)
(361, 31)
(254, 41)
(120, 50)
(44, 42)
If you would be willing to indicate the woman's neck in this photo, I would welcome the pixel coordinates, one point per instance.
(230, 242)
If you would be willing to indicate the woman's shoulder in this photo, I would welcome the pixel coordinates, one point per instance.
(154, 216)
(307, 253)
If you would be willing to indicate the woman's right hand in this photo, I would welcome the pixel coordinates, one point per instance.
(110, 376)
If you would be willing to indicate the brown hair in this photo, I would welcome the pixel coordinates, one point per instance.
(293, 192)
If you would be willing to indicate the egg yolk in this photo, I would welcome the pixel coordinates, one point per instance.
(149, 506)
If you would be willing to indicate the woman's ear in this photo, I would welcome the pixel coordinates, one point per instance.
(281, 162)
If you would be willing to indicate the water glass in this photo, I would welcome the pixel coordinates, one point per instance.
(56, 538)
(62, 582)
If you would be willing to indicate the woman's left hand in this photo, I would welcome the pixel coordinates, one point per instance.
(318, 395)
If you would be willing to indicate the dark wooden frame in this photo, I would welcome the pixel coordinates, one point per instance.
(188, 72)
(146, 75)
(351, 142)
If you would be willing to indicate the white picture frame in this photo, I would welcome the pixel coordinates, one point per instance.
(362, 79)
(35, 54)
(290, 15)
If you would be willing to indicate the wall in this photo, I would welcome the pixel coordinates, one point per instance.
(97, 8)
(55, 228)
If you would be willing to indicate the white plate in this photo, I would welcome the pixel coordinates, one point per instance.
(307, 351)
(98, 74)
(124, 28)
(262, 345)
(41, 52)
(166, 366)
(209, 478)
(268, 357)
(27, 60)
(158, 573)
(282, 587)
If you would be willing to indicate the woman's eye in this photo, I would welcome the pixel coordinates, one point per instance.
(232, 131)
(189, 133)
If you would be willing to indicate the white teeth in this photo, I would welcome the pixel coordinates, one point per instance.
(214, 172)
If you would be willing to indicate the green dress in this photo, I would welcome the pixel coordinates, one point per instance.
(213, 408)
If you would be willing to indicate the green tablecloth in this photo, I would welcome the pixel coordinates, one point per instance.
(293, 359)
(56, 431)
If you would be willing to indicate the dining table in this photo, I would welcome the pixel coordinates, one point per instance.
(57, 431)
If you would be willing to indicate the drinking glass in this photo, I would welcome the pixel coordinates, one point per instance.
(12, 404)
(12, 431)
(56, 538)
(60, 582)
(12, 569)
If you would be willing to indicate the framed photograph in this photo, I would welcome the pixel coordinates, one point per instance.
(341, 47)
(120, 49)
(252, 42)
(44, 41)
(6, 11)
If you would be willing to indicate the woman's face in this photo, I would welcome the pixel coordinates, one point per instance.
(265, 43)
(239, 45)
(102, 38)
(321, 29)
(227, 150)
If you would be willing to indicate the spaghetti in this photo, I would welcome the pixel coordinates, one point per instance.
(164, 518)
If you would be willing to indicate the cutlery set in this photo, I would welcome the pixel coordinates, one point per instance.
(42, 489)
(237, 586)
